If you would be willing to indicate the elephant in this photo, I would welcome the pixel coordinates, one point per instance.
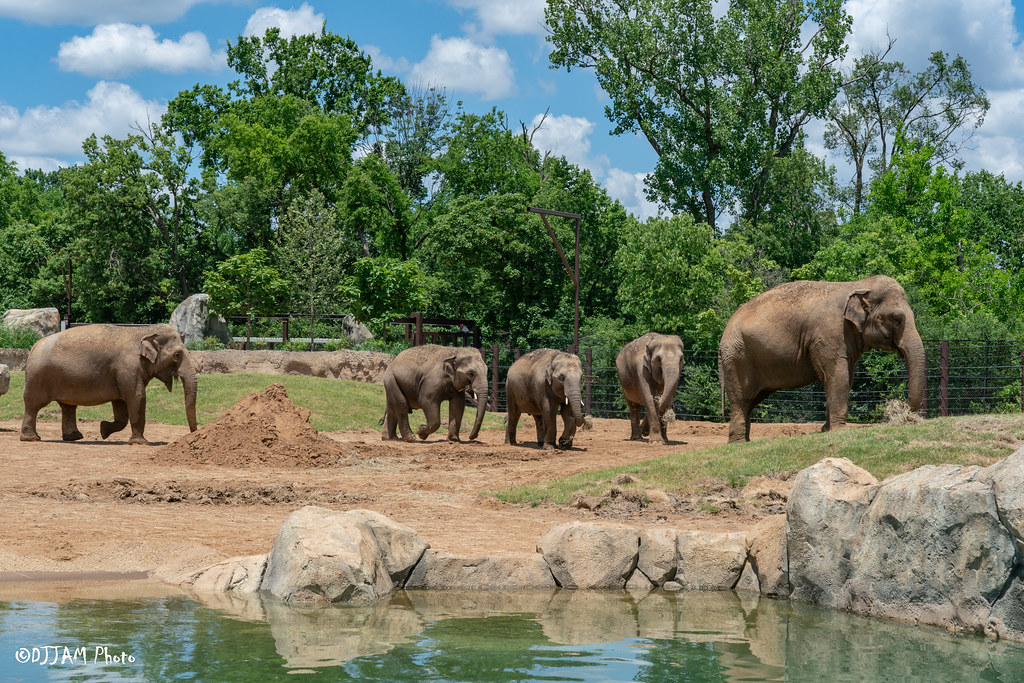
(423, 377)
(649, 370)
(542, 383)
(94, 364)
(801, 331)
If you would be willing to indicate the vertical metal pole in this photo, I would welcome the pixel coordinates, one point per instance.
(494, 378)
(590, 376)
(576, 281)
(284, 329)
(944, 379)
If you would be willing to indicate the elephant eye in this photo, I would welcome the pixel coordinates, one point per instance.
(470, 373)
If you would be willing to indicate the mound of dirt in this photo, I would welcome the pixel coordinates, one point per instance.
(261, 430)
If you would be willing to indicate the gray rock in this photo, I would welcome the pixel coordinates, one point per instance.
(238, 575)
(659, 555)
(931, 549)
(586, 555)
(445, 571)
(355, 331)
(5, 379)
(42, 321)
(321, 556)
(768, 556)
(823, 515)
(1007, 479)
(401, 547)
(194, 321)
(710, 561)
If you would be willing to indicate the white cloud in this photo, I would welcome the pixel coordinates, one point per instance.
(94, 12)
(461, 65)
(383, 62)
(294, 22)
(115, 50)
(54, 134)
(567, 136)
(628, 188)
(500, 17)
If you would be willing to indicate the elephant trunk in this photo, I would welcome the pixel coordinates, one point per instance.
(671, 384)
(574, 397)
(187, 373)
(912, 349)
(480, 387)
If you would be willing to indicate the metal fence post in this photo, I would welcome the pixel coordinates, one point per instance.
(590, 376)
(944, 378)
(494, 377)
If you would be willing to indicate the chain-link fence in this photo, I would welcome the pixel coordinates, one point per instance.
(964, 377)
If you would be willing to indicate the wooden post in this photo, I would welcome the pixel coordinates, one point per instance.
(284, 329)
(418, 319)
(517, 353)
(944, 379)
(1022, 381)
(494, 377)
(590, 376)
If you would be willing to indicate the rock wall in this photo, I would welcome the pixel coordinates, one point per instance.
(362, 366)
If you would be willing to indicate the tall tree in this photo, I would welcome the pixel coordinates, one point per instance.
(718, 97)
(941, 106)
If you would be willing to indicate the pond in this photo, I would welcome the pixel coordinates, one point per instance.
(151, 634)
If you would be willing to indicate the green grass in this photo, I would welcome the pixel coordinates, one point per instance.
(882, 450)
(334, 404)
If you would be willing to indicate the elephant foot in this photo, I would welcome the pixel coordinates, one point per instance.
(548, 446)
(108, 428)
(635, 437)
(138, 441)
(565, 444)
(455, 438)
(73, 436)
(424, 432)
(657, 441)
(29, 437)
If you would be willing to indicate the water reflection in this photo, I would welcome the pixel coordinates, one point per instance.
(461, 636)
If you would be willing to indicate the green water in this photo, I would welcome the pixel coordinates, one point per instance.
(435, 636)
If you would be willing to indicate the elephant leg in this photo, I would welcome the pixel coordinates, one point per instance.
(651, 424)
(137, 419)
(512, 421)
(69, 422)
(569, 428)
(432, 414)
(456, 408)
(550, 429)
(120, 419)
(538, 423)
(837, 395)
(634, 420)
(28, 420)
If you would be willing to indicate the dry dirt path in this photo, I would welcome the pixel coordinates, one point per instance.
(99, 505)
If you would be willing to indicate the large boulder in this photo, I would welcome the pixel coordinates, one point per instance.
(768, 557)
(939, 545)
(42, 321)
(237, 575)
(586, 555)
(194, 321)
(710, 561)
(321, 557)
(5, 379)
(441, 570)
(355, 331)
(823, 516)
(659, 555)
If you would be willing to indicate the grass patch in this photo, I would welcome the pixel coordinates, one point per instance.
(334, 404)
(881, 450)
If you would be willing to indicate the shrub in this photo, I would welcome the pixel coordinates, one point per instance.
(15, 338)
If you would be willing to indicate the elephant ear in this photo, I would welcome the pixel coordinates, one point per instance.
(648, 352)
(149, 347)
(449, 366)
(857, 308)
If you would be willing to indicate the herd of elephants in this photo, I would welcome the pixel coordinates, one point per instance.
(784, 338)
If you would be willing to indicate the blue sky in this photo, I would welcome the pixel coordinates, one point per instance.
(75, 67)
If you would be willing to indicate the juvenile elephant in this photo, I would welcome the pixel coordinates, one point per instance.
(543, 383)
(649, 370)
(801, 331)
(94, 364)
(423, 377)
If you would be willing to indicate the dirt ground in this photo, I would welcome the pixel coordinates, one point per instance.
(107, 506)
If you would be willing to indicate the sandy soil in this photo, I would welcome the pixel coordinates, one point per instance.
(96, 505)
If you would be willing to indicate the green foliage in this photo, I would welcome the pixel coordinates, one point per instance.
(718, 96)
(16, 338)
(384, 288)
(245, 285)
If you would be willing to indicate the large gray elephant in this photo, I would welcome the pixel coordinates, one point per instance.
(94, 364)
(649, 370)
(543, 383)
(803, 331)
(424, 376)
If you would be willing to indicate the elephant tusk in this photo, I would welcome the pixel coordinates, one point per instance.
(473, 393)
(566, 400)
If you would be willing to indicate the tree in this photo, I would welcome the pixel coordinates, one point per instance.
(718, 98)
(312, 256)
(247, 285)
(383, 288)
(941, 106)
